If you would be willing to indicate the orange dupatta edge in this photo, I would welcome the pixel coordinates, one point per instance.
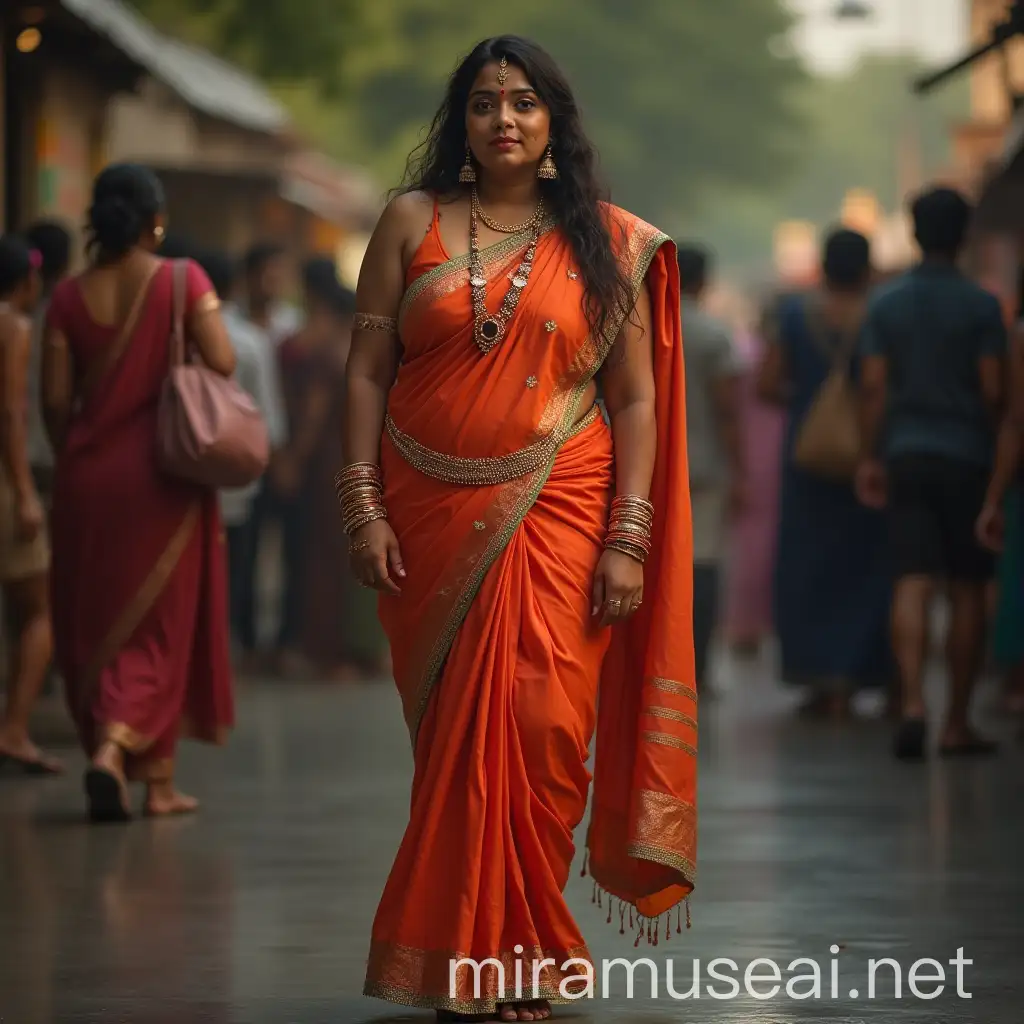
(642, 837)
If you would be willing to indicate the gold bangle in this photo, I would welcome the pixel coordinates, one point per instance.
(632, 550)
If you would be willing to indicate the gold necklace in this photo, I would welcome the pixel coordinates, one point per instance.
(505, 229)
(490, 328)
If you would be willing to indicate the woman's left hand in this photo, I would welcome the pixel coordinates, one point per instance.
(618, 587)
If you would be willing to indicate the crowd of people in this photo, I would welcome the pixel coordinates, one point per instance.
(534, 497)
(86, 549)
(854, 455)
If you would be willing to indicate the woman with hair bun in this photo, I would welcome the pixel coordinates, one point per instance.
(139, 586)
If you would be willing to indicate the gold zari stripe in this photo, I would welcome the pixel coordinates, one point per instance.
(452, 469)
(671, 715)
(671, 686)
(670, 741)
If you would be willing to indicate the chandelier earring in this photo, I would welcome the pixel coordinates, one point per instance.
(468, 173)
(547, 169)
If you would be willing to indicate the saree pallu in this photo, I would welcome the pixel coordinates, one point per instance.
(139, 571)
(498, 487)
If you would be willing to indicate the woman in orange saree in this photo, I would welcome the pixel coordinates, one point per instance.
(530, 601)
(138, 575)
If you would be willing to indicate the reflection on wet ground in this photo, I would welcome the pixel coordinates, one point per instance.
(258, 911)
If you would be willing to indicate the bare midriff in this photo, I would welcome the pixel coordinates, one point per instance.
(586, 402)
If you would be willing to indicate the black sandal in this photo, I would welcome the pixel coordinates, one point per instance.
(972, 748)
(911, 739)
(106, 797)
(33, 766)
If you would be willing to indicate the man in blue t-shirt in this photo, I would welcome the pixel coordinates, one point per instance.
(934, 347)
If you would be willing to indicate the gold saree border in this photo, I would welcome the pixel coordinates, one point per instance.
(491, 253)
(665, 827)
(663, 832)
(130, 618)
(500, 469)
(191, 731)
(421, 978)
(159, 769)
(519, 495)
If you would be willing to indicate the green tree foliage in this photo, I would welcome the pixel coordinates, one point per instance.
(277, 40)
(678, 96)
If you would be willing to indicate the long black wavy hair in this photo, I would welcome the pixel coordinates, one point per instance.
(573, 198)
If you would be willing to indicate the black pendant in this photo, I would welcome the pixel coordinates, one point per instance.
(489, 329)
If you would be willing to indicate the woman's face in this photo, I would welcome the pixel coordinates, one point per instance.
(507, 125)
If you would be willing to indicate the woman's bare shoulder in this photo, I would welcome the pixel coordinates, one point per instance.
(408, 211)
(14, 326)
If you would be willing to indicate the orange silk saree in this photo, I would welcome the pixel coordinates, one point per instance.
(498, 486)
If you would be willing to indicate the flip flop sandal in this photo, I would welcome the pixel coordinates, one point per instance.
(40, 766)
(106, 797)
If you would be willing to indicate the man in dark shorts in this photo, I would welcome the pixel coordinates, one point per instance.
(933, 348)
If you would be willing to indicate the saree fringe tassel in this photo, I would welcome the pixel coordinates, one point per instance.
(653, 928)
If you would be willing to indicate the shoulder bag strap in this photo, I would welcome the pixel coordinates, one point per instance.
(839, 353)
(179, 269)
(111, 355)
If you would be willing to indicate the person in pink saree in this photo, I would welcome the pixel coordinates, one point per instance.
(747, 605)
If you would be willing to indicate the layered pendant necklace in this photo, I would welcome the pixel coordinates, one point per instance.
(490, 328)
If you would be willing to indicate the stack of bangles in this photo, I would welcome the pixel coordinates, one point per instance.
(629, 526)
(360, 491)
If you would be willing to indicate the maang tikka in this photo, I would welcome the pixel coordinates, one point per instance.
(502, 71)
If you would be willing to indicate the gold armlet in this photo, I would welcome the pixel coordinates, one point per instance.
(208, 303)
(371, 322)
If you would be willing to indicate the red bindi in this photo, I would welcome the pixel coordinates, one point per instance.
(501, 92)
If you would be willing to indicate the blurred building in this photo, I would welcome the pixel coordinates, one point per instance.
(796, 253)
(88, 82)
(995, 79)
(989, 149)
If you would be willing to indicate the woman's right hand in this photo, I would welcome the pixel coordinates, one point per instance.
(375, 556)
(990, 527)
(31, 517)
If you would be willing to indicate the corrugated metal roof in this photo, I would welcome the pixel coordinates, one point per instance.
(202, 80)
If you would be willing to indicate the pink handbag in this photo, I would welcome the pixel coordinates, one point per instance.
(209, 429)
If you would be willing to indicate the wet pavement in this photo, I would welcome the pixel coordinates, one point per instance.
(258, 911)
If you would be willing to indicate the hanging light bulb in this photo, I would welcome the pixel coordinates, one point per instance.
(28, 40)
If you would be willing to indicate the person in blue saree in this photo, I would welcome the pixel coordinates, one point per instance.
(832, 582)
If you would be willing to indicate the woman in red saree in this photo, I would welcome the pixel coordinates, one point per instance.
(138, 573)
(506, 525)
